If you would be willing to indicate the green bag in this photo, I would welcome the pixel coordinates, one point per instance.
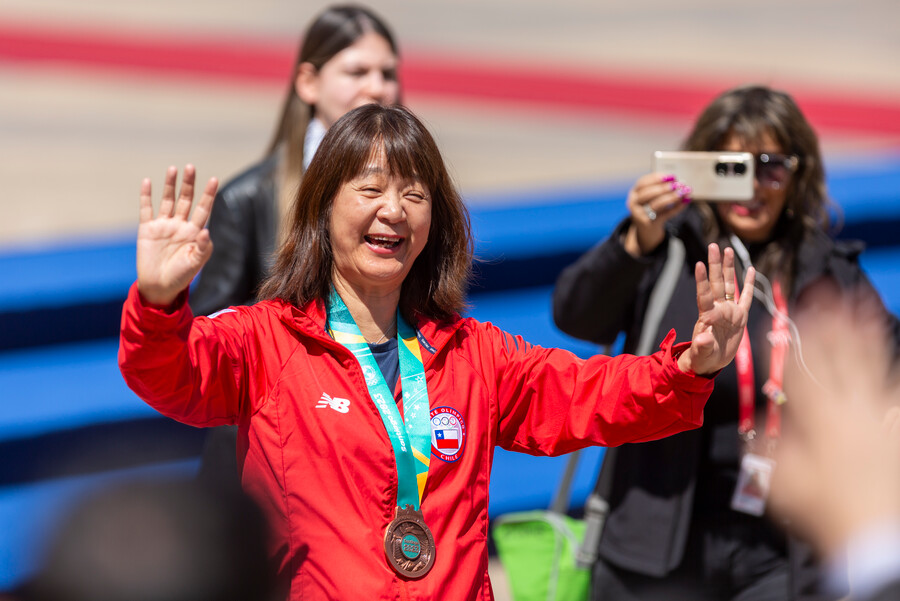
(537, 550)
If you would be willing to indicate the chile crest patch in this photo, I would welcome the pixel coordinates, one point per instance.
(448, 433)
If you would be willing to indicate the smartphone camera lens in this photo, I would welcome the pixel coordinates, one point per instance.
(724, 168)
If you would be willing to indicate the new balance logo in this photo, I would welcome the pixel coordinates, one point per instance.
(338, 404)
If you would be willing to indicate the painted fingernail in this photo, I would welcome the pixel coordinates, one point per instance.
(668, 178)
(675, 185)
(687, 200)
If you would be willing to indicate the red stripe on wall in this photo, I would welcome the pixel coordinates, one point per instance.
(250, 61)
(268, 63)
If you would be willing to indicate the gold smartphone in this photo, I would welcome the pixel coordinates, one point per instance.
(712, 176)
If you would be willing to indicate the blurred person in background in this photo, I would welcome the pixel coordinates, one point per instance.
(369, 407)
(156, 540)
(687, 514)
(837, 480)
(347, 58)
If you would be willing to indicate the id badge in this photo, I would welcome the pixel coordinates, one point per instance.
(753, 483)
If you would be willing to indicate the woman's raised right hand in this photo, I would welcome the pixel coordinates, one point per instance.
(174, 245)
(654, 199)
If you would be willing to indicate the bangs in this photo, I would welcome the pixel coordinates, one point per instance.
(393, 139)
(405, 159)
(751, 129)
(757, 112)
(405, 155)
(366, 136)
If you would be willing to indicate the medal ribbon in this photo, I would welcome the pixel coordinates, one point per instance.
(780, 339)
(410, 439)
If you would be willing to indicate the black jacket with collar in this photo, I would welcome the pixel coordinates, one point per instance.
(655, 485)
(243, 227)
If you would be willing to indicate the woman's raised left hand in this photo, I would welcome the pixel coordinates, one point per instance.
(721, 321)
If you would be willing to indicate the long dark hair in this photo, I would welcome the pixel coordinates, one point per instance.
(337, 28)
(749, 113)
(436, 284)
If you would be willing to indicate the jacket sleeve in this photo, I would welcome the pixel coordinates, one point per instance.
(552, 402)
(594, 298)
(227, 277)
(188, 369)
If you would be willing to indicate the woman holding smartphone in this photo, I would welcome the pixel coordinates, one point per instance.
(688, 513)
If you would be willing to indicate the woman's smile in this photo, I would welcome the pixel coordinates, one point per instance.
(383, 243)
(379, 226)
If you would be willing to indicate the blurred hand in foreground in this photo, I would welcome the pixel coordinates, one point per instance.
(838, 463)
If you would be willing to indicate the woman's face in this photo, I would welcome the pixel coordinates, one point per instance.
(362, 73)
(379, 225)
(753, 221)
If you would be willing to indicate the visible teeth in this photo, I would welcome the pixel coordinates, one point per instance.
(383, 241)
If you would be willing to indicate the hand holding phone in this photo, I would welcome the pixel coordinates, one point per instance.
(712, 176)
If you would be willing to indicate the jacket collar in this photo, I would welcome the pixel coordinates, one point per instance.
(310, 320)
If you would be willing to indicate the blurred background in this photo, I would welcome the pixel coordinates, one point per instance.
(545, 112)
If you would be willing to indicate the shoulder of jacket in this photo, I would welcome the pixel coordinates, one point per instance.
(821, 255)
(252, 182)
(822, 243)
(488, 335)
(261, 310)
(849, 249)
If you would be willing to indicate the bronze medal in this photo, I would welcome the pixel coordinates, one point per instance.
(409, 544)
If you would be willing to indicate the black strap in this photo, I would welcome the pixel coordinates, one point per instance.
(560, 502)
(597, 507)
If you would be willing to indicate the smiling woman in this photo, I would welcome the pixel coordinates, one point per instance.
(390, 180)
(342, 438)
(347, 58)
(379, 225)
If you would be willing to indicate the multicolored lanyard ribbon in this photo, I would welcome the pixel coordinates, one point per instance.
(780, 340)
(411, 436)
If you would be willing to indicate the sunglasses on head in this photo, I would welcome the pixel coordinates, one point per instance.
(774, 170)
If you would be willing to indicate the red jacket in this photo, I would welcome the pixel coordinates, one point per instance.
(315, 454)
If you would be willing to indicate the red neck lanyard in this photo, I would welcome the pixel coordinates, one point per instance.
(780, 338)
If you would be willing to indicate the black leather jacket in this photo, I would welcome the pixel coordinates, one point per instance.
(243, 227)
